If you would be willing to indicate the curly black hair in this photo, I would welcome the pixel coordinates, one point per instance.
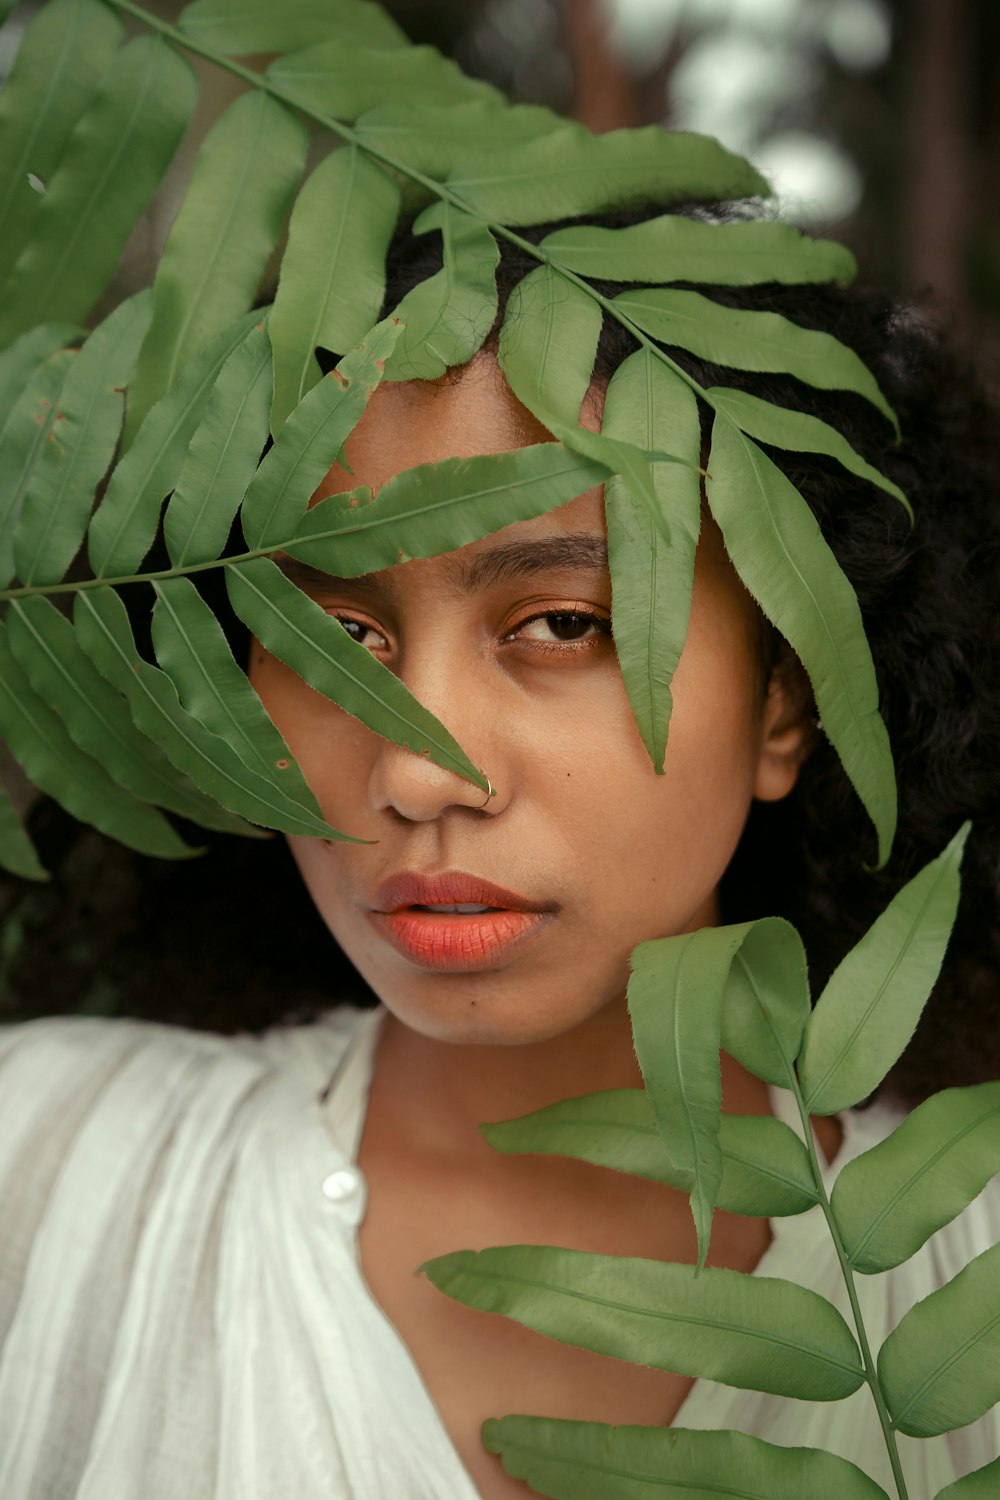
(231, 942)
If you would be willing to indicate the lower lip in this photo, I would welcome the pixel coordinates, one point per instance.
(440, 940)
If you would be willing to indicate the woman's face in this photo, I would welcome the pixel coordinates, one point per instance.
(583, 851)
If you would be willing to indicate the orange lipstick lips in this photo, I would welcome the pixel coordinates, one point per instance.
(454, 921)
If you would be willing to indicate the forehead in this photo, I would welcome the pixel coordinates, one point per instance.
(470, 410)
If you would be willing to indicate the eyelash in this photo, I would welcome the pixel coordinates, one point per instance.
(346, 620)
(600, 623)
(587, 618)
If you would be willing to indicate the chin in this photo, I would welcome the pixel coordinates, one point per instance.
(476, 1015)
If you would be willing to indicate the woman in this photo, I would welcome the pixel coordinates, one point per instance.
(208, 1285)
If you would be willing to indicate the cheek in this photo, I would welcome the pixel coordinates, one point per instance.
(330, 873)
(331, 748)
(662, 843)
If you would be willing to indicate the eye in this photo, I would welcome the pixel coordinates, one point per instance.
(563, 627)
(366, 635)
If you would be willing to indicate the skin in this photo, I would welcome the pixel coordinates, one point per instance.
(521, 669)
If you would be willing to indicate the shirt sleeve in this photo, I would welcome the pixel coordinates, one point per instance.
(53, 1074)
(95, 1117)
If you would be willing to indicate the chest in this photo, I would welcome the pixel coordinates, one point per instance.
(476, 1365)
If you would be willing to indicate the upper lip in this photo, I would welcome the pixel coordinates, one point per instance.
(449, 888)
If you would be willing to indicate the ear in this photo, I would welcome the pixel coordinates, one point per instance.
(789, 732)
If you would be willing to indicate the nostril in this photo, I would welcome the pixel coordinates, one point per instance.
(417, 790)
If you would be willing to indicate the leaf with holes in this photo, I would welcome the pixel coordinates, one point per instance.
(80, 446)
(333, 271)
(301, 634)
(223, 456)
(125, 523)
(438, 507)
(447, 317)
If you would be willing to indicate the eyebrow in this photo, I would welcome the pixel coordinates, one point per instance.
(515, 559)
(575, 550)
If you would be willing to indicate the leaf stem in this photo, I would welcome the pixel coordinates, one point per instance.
(182, 571)
(847, 1271)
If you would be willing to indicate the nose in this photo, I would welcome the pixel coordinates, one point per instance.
(414, 787)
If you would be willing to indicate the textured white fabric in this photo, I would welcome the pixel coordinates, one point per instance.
(182, 1312)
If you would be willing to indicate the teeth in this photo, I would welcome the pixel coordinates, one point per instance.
(464, 908)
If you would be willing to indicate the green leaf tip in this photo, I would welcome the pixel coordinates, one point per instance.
(673, 248)
(765, 1166)
(569, 172)
(940, 1366)
(743, 339)
(652, 539)
(874, 998)
(300, 633)
(17, 852)
(797, 432)
(743, 987)
(888, 1201)
(782, 557)
(758, 1333)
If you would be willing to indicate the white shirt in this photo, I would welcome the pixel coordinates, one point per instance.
(183, 1314)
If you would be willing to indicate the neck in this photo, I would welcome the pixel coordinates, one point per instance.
(444, 1091)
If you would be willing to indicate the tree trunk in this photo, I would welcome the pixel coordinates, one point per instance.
(939, 170)
(604, 95)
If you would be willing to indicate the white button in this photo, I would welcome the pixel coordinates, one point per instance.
(342, 1185)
